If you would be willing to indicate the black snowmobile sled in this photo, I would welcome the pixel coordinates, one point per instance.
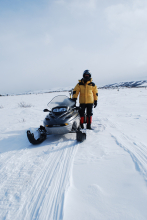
(63, 117)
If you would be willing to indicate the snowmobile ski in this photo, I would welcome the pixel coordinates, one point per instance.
(39, 140)
(80, 136)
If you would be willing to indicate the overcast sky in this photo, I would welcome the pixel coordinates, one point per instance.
(49, 43)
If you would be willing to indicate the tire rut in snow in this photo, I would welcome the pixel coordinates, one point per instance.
(46, 195)
(136, 149)
(137, 152)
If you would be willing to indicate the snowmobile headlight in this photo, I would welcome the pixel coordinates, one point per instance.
(58, 110)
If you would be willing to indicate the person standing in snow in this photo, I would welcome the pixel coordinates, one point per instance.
(88, 97)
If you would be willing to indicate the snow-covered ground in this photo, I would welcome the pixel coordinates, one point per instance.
(103, 178)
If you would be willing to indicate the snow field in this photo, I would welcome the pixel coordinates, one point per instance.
(104, 177)
(109, 172)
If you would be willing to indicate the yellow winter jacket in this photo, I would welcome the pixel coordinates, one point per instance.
(88, 92)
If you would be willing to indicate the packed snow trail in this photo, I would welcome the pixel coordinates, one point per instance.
(34, 180)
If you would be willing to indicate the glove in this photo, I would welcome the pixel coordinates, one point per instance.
(74, 100)
(95, 103)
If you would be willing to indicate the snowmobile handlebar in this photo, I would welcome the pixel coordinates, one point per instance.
(46, 110)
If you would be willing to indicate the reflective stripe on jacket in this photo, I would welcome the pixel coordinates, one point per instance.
(88, 92)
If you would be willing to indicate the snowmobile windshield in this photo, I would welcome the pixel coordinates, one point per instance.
(61, 100)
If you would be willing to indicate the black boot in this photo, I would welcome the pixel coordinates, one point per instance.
(82, 126)
(89, 126)
(89, 120)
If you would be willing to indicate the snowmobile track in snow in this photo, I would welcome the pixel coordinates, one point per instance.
(35, 187)
(137, 150)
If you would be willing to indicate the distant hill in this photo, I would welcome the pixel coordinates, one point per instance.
(132, 84)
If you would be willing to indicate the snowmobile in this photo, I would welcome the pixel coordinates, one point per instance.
(63, 117)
